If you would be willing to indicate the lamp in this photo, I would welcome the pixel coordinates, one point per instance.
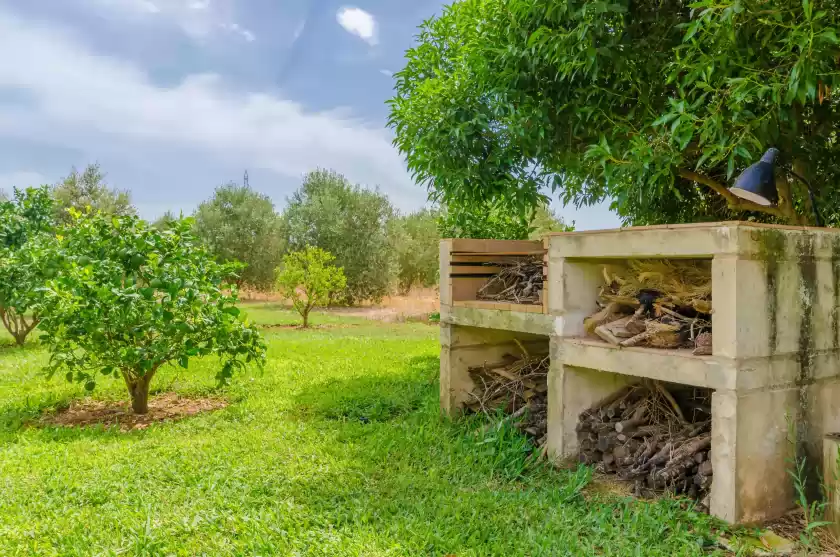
(758, 183)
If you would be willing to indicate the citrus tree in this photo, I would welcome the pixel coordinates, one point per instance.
(129, 298)
(654, 105)
(308, 278)
(26, 258)
(350, 222)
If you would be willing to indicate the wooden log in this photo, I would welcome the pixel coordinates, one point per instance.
(705, 468)
(683, 456)
(700, 457)
(612, 397)
(639, 418)
(607, 335)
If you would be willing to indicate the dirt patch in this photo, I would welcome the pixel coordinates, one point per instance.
(793, 525)
(164, 408)
(311, 327)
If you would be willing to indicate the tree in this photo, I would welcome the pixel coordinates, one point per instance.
(416, 242)
(308, 279)
(350, 222)
(239, 224)
(166, 220)
(545, 220)
(655, 105)
(498, 221)
(26, 258)
(129, 298)
(89, 189)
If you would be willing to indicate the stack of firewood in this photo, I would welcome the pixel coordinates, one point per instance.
(644, 434)
(515, 386)
(519, 282)
(660, 304)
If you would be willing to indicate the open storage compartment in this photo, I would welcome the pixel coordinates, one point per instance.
(494, 284)
(653, 434)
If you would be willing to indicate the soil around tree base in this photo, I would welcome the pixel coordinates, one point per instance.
(162, 408)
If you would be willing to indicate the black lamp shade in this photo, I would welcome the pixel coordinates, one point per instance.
(758, 183)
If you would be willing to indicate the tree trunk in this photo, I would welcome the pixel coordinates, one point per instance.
(306, 318)
(138, 389)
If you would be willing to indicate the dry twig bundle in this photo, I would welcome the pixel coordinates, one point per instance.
(519, 282)
(518, 387)
(644, 434)
(657, 303)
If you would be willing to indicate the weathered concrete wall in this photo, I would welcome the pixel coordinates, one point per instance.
(775, 366)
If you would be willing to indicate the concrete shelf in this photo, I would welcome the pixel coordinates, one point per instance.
(675, 366)
(776, 342)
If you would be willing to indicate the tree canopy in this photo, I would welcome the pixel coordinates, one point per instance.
(80, 190)
(654, 105)
(240, 224)
(351, 223)
(26, 258)
(130, 298)
(416, 243)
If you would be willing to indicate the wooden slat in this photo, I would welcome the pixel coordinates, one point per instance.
(482, 258)
(487, 246)
(498, 253)
(456, 270)
(501, 306)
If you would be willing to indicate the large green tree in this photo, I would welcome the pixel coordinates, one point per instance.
(80, 190)
(351, 223)
(656, 105)
(240, 224)
(498, 221)
(416, 243)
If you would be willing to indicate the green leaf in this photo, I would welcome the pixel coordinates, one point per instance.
(90, 385)
(183, 361)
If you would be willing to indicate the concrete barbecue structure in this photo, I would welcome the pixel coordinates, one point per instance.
(775, 363)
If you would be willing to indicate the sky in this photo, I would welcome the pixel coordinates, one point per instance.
(175, 97)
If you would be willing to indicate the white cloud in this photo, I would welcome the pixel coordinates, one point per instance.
(358, 22)
(387, 73)
(81, 100)
(236, 29)
(198, 19)
(21, 179)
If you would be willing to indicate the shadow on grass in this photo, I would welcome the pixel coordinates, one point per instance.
(375, 398)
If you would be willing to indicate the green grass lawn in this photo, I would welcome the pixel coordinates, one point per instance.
(335, 449)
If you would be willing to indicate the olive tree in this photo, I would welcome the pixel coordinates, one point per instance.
(655, 105)
(350, 222)
(26, 258)
(416, 243)
(240, 224)
(129, 298)
(88, 188)
(308, 279)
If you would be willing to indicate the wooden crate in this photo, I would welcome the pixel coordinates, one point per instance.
(464, 270)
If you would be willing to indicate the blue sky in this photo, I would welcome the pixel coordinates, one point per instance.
(174, 97)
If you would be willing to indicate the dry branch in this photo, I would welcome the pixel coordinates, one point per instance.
(519, 282)
(640, 433)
